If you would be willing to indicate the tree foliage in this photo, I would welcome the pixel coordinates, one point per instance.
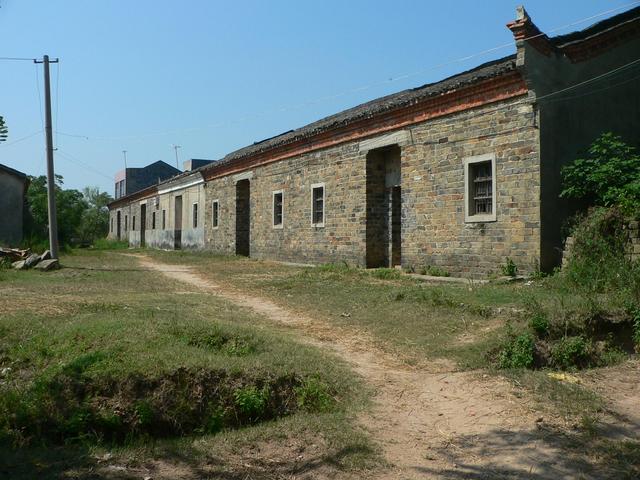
(82, 216)
(3, 129)
(608, 175)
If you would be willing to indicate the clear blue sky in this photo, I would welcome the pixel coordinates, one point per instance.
(214, 76)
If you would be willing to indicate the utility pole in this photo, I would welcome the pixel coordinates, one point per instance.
(51, 184)
(176, 147)
(124, 153)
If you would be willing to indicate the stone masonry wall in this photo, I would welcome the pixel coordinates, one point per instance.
(433, 223)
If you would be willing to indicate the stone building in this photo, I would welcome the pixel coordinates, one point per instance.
(459, 174)
(13, 188)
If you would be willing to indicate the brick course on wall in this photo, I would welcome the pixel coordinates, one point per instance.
(432, 180)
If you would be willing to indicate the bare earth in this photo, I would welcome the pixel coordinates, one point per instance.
(432, 422)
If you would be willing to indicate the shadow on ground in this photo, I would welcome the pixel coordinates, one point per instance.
(542, 453)
(77, 462)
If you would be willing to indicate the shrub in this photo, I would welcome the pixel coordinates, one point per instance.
(509, 269)
(571, 352)
(597, 262)
(539, 323)
(518, 351)
(251, 401)
(607, 175)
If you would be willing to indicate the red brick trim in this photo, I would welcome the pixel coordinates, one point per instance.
(500, 88)
(589, 48)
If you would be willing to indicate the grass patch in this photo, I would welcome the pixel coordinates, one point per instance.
(105, 244)
(126, 360)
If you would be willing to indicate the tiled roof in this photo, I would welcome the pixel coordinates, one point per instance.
(377, 106)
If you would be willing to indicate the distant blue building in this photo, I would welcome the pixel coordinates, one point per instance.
(132, 180)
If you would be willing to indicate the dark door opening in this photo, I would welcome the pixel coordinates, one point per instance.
(118, 218)
(143, 223)
(177, 224)
(396, 226)
(384, 208)
(243, 218)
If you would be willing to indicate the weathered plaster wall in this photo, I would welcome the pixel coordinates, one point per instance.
(160, 237)
(12, 191)
(570, 121)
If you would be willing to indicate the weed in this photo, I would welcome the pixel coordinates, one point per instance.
(571, 352)
(251, 401)
(104, 244)
(313, 395)
(434, 271)
(518, 351)
(386, 273)
(539, 323)
(509, 269)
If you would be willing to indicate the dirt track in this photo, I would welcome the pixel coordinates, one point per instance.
(431, 422)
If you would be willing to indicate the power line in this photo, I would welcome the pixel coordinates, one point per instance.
(57, 97)
(21, 139)
(67, 156)
(39, 96)
(352, 90)
(17, 59)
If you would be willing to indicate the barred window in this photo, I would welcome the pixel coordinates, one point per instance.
(215, 213)
(277, 209)
(317, 205)
(195, 215)
(480, 188)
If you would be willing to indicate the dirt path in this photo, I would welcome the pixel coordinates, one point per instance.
(431, 423)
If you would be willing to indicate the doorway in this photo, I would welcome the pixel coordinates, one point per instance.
(177, 224)
(384, 208)
(143, 223)
(118, 232)
(243, 218)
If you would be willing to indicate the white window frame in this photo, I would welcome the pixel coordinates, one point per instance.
(273, 209)
(324, 204)
(469, 217)
(213, 224)
(194, 218)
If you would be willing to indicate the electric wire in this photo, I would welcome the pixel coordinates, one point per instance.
(39, 96)
(18, 140)
(346, 92)
(67, 156)
(17, 59)
(57, 98)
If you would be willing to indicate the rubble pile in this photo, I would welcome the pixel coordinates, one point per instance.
(25, 259)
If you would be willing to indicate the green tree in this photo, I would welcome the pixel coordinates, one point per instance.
(95, 219)
(3, 129)
(608, 175)
(70, 206)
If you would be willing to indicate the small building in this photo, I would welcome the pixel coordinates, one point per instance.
(13, 188)
(459, 174)
(131, 180)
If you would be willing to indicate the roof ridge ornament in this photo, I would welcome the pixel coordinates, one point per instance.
(524, 30)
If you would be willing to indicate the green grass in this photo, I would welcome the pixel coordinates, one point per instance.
(120, 335)
(416, 320)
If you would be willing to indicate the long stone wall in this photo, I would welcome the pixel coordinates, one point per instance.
(434, 231)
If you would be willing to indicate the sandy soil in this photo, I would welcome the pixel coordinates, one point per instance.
(432, 422)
